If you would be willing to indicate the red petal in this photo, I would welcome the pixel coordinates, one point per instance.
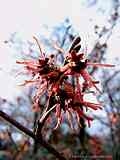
(92, 105)
(100, 65)
(88, 79)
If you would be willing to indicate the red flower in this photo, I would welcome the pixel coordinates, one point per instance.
(62, 95)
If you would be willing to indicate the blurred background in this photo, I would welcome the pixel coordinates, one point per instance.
(97, 22)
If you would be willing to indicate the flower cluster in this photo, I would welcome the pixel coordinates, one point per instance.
(63, 96)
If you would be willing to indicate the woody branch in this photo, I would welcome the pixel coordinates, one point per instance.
(32, 135)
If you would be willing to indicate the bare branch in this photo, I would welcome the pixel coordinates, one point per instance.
(32, 135)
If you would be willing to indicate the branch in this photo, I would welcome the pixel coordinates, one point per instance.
(39, 126)
(31, 134)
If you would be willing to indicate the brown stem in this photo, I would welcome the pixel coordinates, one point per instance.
(30, 133)
(35, 147)
(38, 132)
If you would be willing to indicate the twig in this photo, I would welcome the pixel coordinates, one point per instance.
(32, 135)
(17, 154)
(101, 121)
(10, 136)
(39, 125)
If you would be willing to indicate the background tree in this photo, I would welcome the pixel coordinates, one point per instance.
(65, 140)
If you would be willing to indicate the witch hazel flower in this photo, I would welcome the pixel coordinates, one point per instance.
(63, 97)
(80, 64)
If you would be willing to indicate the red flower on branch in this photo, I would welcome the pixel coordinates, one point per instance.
(53, 79)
